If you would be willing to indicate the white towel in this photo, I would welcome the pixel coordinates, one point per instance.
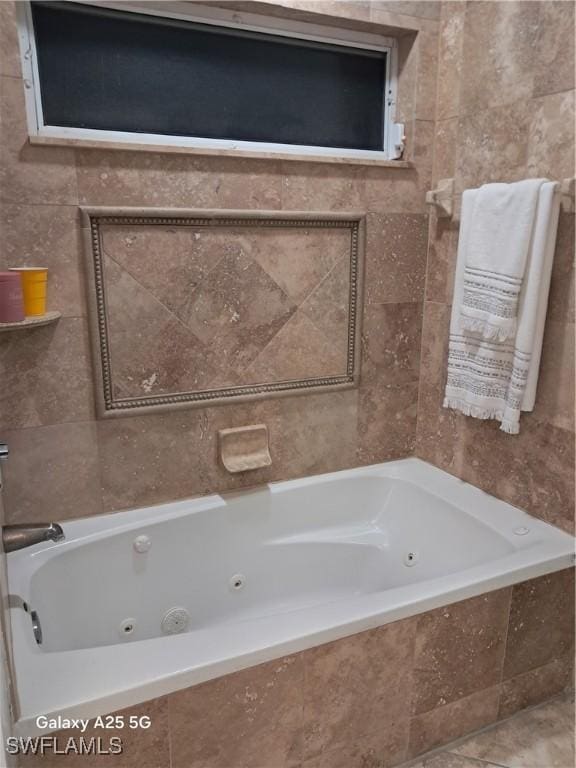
(488, 379)
(496, 252)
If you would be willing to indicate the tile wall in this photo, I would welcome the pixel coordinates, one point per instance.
(66, 464)
(387, 695)
(505, 111)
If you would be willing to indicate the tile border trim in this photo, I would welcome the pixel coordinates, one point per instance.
(92, 219)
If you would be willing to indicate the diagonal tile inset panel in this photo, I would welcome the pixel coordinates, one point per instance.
(187, 306)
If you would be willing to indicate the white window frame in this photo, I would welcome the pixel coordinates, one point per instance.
(219, 17)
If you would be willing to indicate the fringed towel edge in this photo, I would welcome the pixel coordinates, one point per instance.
(487, 330)
(468, 409)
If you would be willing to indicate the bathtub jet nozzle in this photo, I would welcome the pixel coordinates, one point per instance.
(23, 535)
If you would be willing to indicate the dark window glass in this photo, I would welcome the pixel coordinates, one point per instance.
(128, 72)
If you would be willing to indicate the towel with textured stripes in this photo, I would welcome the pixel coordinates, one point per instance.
(495, 254)
(489, 378)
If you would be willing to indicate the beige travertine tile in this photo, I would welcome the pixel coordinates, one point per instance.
(252, 719)
(556, 395)
(46, 235)
(445, 143)
(386, 420)
(423, 9)
(391, 341)
(151, 351)
(311, 434)
(141, 747)
(237, 310)
(52, 474)
(460, 649)
(499, 43)
(192, 308)
(561, 298)
(551, 137)
(450, 59)
(386, 746)
(534, 473)
(417, 67)
(421, 152)
(328, 304)
(168, 261)
(46, 375)
(299, 260)
(536, 685)
(352, 688)
(395, 258)
(299, 351)
(541, 622)
(439, 429)
(402, 24)
(436, 324)
(442, 252)
(427, 42)
(493, 144)
(403, 190)
(155, 458)
(399, 190)
(448, 760)
(540, 738)
(358, 10)
(407, 78)
(9, 50)
(321, 187)
(554, 54)
(175, 454)
(219, 328)
(450, 721)
(123, 178)
(30, 174)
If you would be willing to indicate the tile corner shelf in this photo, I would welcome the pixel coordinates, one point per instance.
(32, 322)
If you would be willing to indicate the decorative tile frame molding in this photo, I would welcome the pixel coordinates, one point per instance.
(110, 405)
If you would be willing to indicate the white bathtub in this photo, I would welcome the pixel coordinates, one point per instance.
(261, 573)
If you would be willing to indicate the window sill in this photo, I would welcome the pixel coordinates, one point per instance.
(256, 154)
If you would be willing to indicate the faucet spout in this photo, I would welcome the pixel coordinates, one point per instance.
(22, 535)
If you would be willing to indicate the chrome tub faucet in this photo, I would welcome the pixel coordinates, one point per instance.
(27, 534)
(23, 535)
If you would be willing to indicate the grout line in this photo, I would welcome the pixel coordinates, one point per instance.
(505, 654)
(85, 421)
(26, 204)
(479, 760)
(154, 298)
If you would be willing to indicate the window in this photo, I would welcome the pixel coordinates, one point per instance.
(217, 79)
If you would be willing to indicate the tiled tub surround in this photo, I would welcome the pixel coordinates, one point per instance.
(504, 117)
(371, 700)
(47, 398)
(259, 575)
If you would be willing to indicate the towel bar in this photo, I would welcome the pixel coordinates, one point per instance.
(447, 203)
